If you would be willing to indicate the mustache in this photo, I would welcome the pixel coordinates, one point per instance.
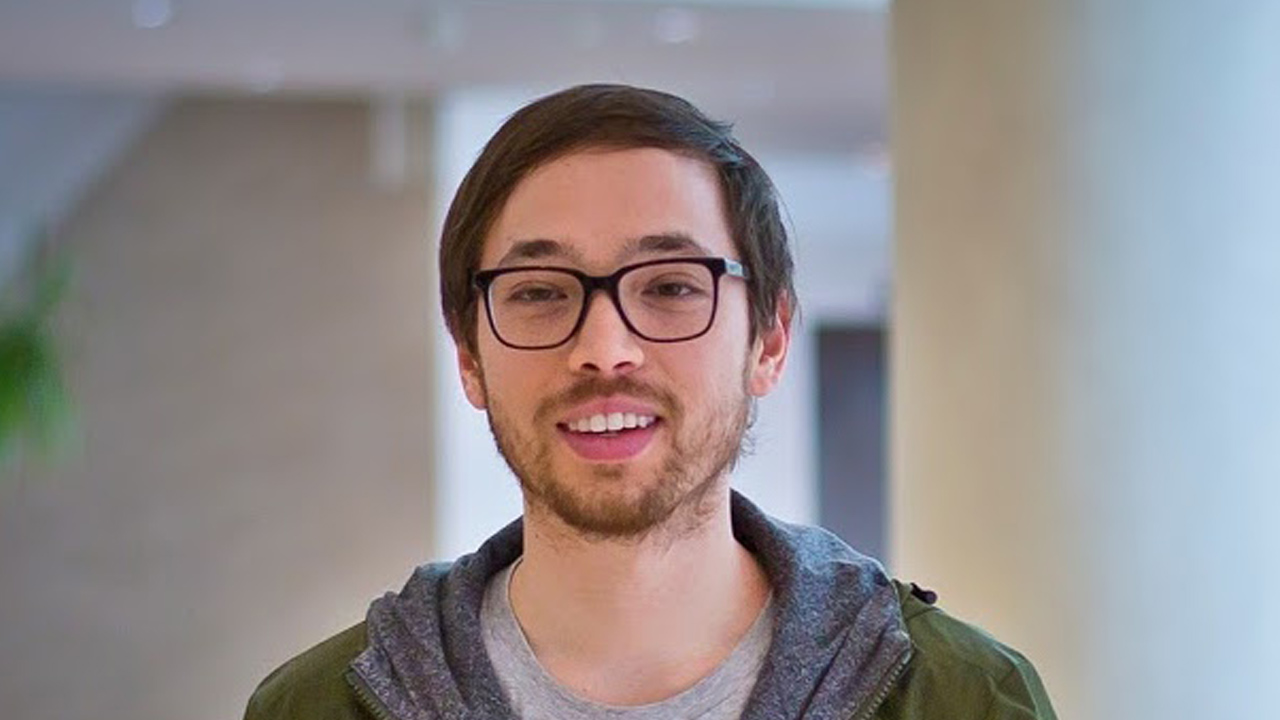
(591, 388)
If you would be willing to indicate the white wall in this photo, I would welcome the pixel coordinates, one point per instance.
(246, 343)
(1086, 432)
(53, 147)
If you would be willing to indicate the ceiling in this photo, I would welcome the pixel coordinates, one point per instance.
(806, 74)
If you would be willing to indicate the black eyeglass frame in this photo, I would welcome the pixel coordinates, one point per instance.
(482, 280)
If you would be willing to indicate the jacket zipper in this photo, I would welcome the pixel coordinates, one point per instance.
(366, 697)
(886, 687)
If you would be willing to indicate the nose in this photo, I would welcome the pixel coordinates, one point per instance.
(604, 345)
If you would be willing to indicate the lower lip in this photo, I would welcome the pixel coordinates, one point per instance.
(610, 446)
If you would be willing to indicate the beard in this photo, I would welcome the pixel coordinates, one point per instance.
(613, 501)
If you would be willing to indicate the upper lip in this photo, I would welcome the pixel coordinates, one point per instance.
(607, 406)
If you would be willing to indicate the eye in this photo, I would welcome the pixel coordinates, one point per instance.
(533, 293)
(671, 289)
(674, 286)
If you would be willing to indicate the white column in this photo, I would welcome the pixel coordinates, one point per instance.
(475, 493)
(1086, 348)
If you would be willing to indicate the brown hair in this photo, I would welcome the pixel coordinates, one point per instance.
(613, 117)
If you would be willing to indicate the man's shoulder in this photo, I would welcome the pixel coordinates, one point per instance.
(961, 667)
(313, 685)
(941, 638)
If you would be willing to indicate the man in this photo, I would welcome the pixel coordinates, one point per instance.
(617, 278)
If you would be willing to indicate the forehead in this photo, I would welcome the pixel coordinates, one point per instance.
(595, 206)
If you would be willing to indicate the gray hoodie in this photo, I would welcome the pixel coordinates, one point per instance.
(839, 637)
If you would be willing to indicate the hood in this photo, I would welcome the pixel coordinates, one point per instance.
(838, 636)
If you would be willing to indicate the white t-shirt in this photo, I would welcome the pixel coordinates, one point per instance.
(535, 695)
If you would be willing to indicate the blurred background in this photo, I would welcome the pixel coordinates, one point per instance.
(1038, 255)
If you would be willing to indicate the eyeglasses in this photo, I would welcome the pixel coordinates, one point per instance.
(665, 301)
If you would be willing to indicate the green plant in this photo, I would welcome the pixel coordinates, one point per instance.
(35, 408)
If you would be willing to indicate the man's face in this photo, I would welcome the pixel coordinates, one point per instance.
(596, 211)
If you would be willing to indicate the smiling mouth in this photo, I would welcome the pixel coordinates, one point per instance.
(610, 437)
(602, 423)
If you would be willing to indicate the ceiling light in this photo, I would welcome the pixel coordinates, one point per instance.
(152, 14)
(588, 30)
(674, 26)
(447, 30)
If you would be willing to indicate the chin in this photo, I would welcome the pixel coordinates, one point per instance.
(604, 505)
(617, 501)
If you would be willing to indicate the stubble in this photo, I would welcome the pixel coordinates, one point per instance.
(611, 501)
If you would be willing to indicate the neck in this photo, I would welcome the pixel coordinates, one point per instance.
(628, 622)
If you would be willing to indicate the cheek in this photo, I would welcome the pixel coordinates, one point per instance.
(707, 376)
(516, 379)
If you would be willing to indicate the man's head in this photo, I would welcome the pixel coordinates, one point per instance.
(613, 117)
(586, 184)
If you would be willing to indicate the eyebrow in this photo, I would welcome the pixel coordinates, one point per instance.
(657, 243)
(671, 242)
(536, 250)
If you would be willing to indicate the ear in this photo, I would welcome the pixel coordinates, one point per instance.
(472, 377)
(769, 352)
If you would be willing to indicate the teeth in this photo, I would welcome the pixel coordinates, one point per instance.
(612, 422)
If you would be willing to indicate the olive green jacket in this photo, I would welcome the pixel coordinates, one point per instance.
(848, 643)
(955, 672)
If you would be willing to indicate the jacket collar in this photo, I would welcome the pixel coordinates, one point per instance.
(838, 637)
